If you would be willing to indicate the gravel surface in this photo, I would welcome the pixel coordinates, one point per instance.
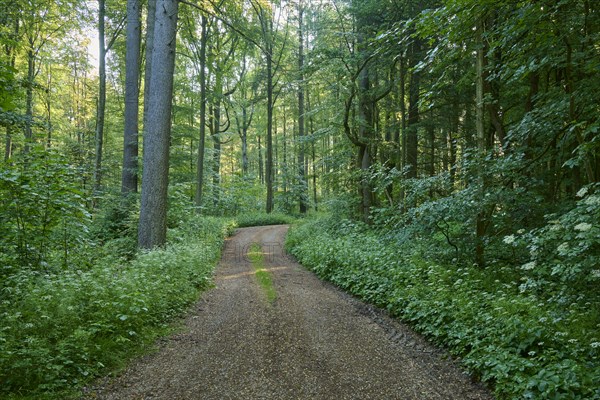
(312, 342)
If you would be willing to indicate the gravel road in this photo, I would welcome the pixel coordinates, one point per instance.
(311, 342)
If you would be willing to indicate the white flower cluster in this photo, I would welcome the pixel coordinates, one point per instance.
(592, 200)
(563, 248)
(529, 266)
(582, 192)
(583, 227)
(510, 239)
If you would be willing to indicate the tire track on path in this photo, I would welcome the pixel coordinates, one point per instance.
(311, 342)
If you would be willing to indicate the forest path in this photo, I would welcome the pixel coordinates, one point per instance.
(311, 342)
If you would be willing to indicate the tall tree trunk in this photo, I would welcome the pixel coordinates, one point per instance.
(155, 179)
(129, 176)
(313, 152)
(412, 140)
(431, 139)
(261, 169)
(48, 108)
(150, 22)
(481, 225)
(401, 139)
(244, 138)
(269, 145)
(8, 144)
(284, 140)
(217, 97)
(101, 99)
(202, 141)
(10, 52)
(301, 168)
(365, 156)
(29, 97)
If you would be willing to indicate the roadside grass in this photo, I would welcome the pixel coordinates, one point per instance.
(61, 329)
(257, 259)
(262, 219)
(522, 345)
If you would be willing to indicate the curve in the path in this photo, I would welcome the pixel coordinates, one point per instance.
(312, 342)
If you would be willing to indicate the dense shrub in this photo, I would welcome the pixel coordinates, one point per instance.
(522, 345)
(260, 219)
(59, 329)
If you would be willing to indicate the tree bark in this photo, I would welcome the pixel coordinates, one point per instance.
(29, 97)
(414, 87)
(155, 179)
(202, 141)
(480, 228)
(301, 168)
(101, 99)
(269, 144)
(129, 176)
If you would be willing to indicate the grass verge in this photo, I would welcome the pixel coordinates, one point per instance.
(257, 258)
(262, 219)
(59, 330)
(523, 346)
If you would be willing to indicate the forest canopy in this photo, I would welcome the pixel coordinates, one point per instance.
(468, 129)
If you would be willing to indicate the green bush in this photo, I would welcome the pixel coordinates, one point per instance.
(522, 345)
(58, 330)
(261, 219)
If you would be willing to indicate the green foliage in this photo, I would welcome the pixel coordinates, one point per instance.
(43, 214)
(524, 346)
(564, 253)
(60, 329)
(235, 194)
(261, 219)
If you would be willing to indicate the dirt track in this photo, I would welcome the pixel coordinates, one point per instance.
(312, 342)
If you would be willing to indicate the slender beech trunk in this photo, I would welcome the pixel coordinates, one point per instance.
(301, 167)
(480, 228)
(29, 97)
(414, 87)
(202, 141)
(216, 130)
(152, 230)
(11, 56)
(244, 137)
(261, 169)
(101, 99)
(269, 144)
(48, 108)
(129, 176)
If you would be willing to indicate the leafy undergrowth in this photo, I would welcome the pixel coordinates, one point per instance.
(521, 344)
(61, 329)
(262, 219)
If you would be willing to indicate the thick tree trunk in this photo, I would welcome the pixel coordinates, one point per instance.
(150, 22)
(129, 176)
(155, 180)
